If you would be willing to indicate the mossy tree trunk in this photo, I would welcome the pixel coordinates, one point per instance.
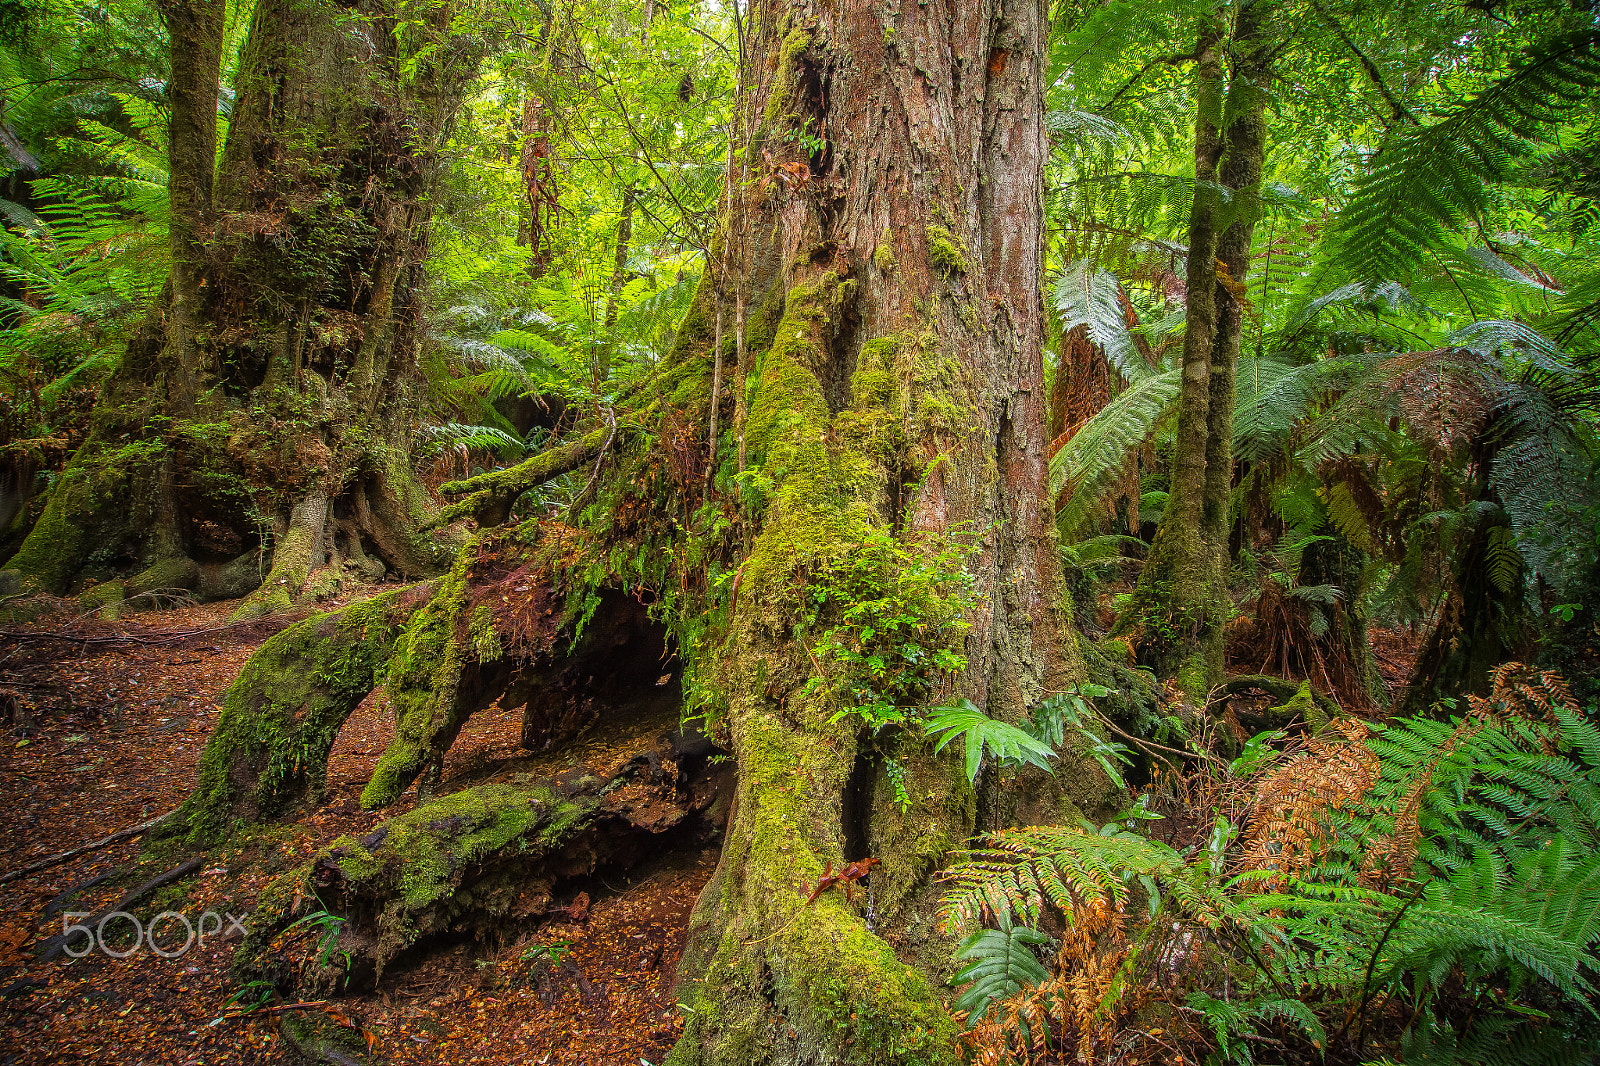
(1180, 604)
(270, 391)
(896, 212)
(883, 268)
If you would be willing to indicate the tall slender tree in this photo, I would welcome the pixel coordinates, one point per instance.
(1181, 602)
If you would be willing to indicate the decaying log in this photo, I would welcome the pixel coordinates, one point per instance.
(479, 862)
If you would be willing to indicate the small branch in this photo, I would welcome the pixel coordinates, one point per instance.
(600, 457)
(280, 1008)
(1171, 61)
(162, 637)
(94, 845)
(55, 945)
(497, 491)
(1374, 75)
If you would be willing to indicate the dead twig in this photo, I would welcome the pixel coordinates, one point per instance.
(54, 946)
(93, 845)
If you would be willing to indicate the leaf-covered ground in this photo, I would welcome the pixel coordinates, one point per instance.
(104, 733)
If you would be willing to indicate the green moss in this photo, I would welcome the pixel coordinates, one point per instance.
(946, 251)
(1303, 706)
(104, 598)
(54, 549)
(784, 81)
(883, 254)
(836, 985)
(281, 716)
(485, 639)
(789, 404)
(421, 686)
(912, 842)
(461, 859)
(175, 572)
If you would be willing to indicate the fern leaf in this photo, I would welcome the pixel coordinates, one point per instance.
(1000, 963)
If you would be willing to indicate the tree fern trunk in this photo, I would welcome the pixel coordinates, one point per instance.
(1178, 609)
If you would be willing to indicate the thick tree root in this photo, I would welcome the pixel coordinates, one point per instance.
(480, 861)
(281, 716)
(55, 946)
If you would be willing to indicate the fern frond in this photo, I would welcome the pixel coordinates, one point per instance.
(999, 964)
(1095, 299)
(1007, 744)
(1096, 456)
(1425, 182)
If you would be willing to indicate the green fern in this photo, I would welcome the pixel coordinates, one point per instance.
(999, 963)
(1005, 743)
(1094, 299)
(1098, 454)
(1425, 182)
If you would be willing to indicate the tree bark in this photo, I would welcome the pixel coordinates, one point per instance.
(1181, 601)
(1176, 615)
(271, 390)
(195, 29)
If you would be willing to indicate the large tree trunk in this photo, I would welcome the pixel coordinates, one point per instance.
(889, 391)
(901, 388)
(270, 391)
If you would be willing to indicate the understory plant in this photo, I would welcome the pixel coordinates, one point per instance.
(1419, 891)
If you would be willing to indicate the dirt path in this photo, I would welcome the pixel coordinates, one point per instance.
(106, 733)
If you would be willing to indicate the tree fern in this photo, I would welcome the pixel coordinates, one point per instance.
(1429, 180)
(1094, 299)
(1096, 456)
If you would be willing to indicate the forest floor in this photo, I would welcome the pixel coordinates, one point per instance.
(107, 722)
(106, 729)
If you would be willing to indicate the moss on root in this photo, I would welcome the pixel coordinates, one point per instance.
(460, 858)
(780, 966)
(421, 685)
(280, 717)
(95, 509)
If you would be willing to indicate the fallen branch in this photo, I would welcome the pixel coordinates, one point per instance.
(54, 946)
(1277, 688)
(489, 496)
(279, 1009)
(93, 845)
(159, 638)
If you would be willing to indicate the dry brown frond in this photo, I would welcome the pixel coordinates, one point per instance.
(1524, 692)
(1288, 824)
